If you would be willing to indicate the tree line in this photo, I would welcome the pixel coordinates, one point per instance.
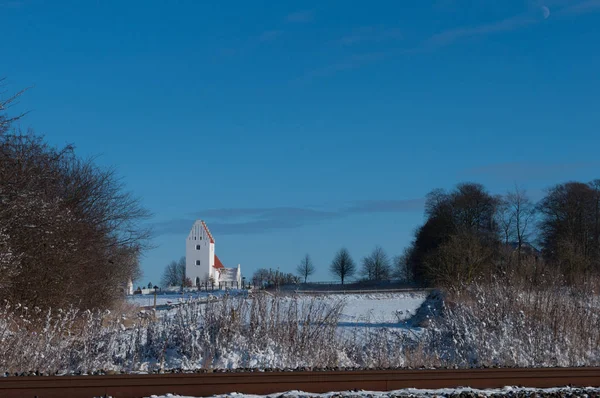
(70, 234)
(377, 266)
(470, 233)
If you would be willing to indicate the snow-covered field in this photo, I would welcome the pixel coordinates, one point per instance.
(362, 318)
(507, 391)
(373, 309)
(379, 308)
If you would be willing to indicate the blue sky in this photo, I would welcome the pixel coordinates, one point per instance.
(295, 127)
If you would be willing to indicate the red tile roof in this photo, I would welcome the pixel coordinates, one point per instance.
(218, 263)
(212, 240)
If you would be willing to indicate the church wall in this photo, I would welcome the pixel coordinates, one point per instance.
(198, 250)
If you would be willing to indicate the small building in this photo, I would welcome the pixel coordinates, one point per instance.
(202, 265)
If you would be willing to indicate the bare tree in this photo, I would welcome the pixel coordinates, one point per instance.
(570, 228)
(261, 277)
(269, 277)
(174, 274)
(343, 265)
(376, 266)
(522, 212)
(305, 268)
(595, 210)
(506, 220)
(5, 103)
(401, 266)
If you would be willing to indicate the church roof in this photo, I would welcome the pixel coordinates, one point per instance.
(218, 263)
(228, 275)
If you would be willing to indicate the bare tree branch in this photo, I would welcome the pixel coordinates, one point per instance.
(376, 266)
(174, 274)
(5, 104)
(343, 265)
(305, 268)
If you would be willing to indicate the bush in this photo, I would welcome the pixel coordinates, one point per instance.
(69, 234)
(513, 322)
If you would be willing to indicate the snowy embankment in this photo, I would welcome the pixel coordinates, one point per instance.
(561, 392)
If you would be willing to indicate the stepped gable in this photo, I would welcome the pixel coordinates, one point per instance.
(212, 240)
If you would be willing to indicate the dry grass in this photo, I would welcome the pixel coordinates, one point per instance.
(514, 320)
(263, 331)
(294, 332)
(506, 321)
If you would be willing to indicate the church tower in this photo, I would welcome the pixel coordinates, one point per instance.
(201, 263)
(200, 254)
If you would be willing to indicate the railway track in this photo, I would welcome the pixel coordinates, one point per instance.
(206, 384)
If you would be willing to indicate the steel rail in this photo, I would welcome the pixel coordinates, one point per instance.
(206, 384)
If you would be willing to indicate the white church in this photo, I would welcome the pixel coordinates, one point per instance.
(203, 266)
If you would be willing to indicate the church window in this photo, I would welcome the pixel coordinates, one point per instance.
(197, 262)
(197, 247)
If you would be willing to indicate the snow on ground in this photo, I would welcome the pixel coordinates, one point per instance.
(373, 309)
(365, 319)
(380, 308)
(413, 392)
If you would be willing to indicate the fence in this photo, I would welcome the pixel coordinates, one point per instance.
(355, 287)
